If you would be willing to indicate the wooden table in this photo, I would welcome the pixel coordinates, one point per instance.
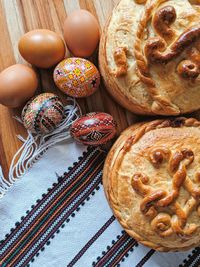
(20, 16)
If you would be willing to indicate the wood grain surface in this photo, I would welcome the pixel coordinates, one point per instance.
(20, 16)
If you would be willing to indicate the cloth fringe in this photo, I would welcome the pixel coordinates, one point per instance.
(34, 146)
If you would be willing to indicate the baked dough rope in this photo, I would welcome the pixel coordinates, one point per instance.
(161, 104)
(163, 223)
(157, 53)
(162, 219)
(120, 53)
(120, 61)
(153, 52)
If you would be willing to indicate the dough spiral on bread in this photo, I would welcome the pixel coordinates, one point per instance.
(149, 56)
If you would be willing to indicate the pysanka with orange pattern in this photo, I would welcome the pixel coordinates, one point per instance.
(77, 77)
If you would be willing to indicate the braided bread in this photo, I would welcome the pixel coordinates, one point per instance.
(149, 56)
(151, 179)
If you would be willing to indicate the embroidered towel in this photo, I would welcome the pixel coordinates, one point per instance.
(57, 215)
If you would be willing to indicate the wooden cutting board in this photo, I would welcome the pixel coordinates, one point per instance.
(20, 16)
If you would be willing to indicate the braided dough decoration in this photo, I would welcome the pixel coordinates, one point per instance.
(161, 104)
(152, 174)
(150, 56)
(163, 223)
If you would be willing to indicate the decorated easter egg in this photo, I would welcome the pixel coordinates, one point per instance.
(77, 77)
(94, 129)
(43, 113)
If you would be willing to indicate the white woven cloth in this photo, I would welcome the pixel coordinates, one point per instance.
(89, 236)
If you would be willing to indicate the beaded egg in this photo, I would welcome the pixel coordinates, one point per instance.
(43, 113)
(94, 128)
(77, 77)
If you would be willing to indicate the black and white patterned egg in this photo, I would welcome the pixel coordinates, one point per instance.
(43, 113)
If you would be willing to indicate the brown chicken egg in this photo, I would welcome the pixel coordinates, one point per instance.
(81, 33)
(18, 84)
(42, 48)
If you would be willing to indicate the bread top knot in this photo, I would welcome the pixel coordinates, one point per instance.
(162, 20)
(157, 52)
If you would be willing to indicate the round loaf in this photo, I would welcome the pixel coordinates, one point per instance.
(150, 56)
(151, 178)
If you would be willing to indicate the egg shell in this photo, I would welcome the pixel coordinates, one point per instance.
(81, 33)
(18, 84)
(77, 77)
(42, 48)
(43, 113)
(94, 129)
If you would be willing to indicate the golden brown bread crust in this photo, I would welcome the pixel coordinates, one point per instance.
(109, 79)
(148, 81)
(152, 174)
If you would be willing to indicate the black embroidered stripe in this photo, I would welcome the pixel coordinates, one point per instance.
(116, 252)
(67, 215)
(91, 241)
(67, 179)
(145, 258)
(191, 258)
(93, 177)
